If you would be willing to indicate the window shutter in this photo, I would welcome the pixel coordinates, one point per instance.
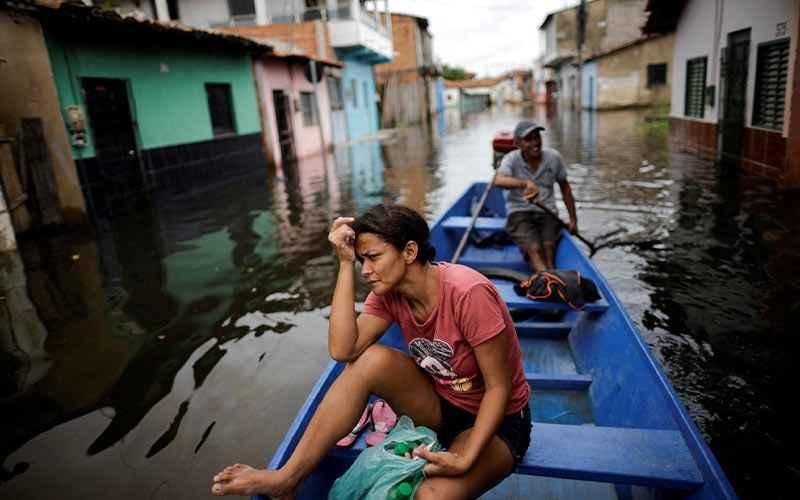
(695, 87)
(771, 75)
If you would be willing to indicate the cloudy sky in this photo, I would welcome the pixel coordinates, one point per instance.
(487, 37)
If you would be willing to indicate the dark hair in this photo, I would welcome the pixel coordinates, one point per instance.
(397, 225)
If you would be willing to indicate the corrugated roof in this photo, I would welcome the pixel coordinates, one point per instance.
(469, 84)
(63, 13)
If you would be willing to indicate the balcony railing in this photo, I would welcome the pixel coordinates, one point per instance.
(344, 12)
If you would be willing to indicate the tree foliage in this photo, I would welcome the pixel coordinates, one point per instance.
(456, 73)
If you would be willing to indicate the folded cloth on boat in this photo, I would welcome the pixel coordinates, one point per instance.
(562, 285)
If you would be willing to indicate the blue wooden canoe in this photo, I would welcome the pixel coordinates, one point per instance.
(606, 421)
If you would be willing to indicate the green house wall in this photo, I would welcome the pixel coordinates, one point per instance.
(166, 87)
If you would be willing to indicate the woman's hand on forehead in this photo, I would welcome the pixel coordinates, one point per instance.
(342, 238)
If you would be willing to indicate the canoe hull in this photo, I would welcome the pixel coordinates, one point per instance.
(626, 388)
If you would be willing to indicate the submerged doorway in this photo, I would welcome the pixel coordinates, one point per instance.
(116, 176)
(735, 59)
(283, 120)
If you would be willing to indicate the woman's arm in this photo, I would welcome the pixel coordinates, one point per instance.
(348, 335)
(492, 358)
(493, 362)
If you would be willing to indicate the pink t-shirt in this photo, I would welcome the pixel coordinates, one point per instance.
(470, 311)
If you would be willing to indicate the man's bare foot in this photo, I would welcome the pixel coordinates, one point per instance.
(244, 480)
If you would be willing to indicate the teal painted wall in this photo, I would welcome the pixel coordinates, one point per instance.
(170, 107)
(361, 111)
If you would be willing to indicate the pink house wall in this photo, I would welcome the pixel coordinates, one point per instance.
(274, 73)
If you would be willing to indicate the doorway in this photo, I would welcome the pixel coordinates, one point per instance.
(118, 173)
(283, 120)
(736, 57)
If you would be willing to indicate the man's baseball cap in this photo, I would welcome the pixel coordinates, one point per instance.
(524, 128)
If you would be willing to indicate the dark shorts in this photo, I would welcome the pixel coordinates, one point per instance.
(526, 228)
(514, 430)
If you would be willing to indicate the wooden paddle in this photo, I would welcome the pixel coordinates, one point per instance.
(481, 203)
(592, 248)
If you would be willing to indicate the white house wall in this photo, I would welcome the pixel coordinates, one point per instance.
(694, 37)
(203, 13)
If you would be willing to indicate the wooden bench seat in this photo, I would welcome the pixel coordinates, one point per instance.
(643, 457)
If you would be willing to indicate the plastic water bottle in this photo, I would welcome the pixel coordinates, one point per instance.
(401, 448)
(402, 491)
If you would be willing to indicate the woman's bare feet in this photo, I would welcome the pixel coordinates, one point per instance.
(244, 480)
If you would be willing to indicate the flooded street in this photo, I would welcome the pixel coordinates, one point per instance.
(185, 336)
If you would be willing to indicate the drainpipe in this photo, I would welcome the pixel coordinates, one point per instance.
(322, 147)
(261, 12)
(162, 11)
(581, 34)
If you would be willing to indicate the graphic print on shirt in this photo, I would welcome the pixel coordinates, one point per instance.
(434, 356)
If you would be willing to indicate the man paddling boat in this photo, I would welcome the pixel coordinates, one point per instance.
(529, 173)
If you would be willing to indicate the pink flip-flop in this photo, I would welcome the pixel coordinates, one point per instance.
(383, 421)
(365, 419)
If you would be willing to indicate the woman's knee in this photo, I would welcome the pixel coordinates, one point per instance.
(375, 359)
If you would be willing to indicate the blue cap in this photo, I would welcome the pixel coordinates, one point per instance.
(524, 128)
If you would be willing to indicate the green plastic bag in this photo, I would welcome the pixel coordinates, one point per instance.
(377, 469)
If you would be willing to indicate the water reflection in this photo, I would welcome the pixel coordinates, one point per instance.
(187, 333)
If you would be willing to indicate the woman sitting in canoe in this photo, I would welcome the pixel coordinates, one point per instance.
(464, 377)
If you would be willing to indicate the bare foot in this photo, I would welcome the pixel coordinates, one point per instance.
(244, 480)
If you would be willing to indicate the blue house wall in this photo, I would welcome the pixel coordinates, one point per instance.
(358, 86)
(589, 85)
(439, 94)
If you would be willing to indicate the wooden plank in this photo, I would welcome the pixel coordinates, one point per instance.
(15, 194)
(514, 301)
(544, 329)
(455, 223)
(39, 167)
(645, 457)
(558, 381)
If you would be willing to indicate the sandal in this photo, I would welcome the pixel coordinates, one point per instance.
(365, 419)
(383, 421)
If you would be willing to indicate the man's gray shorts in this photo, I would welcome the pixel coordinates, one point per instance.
(527, 227)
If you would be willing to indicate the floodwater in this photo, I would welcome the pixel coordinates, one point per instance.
(184, 337)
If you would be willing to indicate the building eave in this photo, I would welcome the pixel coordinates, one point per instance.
(98, 22)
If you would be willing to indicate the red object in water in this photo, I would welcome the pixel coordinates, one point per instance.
(503, 142)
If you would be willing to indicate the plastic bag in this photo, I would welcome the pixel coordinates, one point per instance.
(377, 469)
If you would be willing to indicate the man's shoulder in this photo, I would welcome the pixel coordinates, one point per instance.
(513, 157)
(551, 153)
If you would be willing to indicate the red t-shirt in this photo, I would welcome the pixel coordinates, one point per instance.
(470, 311)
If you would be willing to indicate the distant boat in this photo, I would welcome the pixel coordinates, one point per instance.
(606, 421)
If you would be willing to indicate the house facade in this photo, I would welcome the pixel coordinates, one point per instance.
(407, 84)
(26, 63)
(636, 74)
(735, 95)
(295, 109)
(608, 24)
(147, 105)
(349, 31)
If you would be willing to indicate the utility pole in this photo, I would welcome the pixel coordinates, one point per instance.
(580, 38)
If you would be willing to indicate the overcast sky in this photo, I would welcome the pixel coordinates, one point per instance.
(487, 37)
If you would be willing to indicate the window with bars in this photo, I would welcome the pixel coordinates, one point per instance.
(771, 72)
(220, 107)
(695, 87)
(656, 74)
(307, 105)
